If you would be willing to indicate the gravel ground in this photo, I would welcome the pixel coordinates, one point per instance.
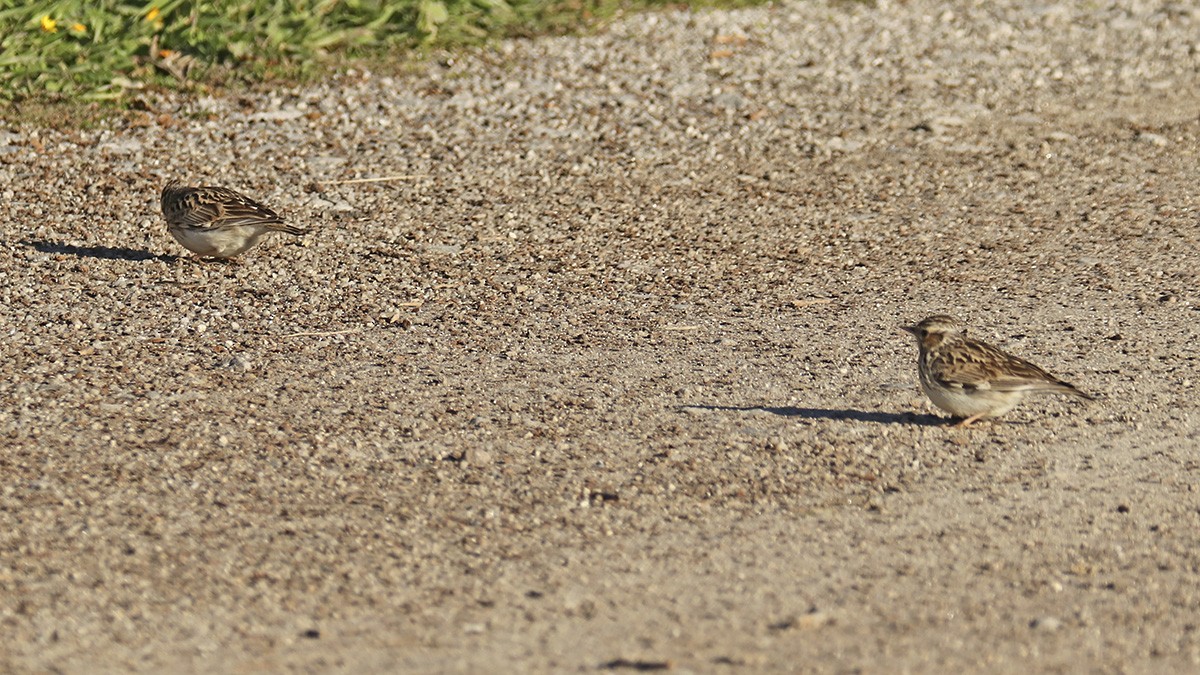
(611, 379)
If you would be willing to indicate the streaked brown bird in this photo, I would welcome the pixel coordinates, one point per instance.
(971, 379)
(216, 222)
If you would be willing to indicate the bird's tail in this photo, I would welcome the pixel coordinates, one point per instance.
(1061, 387)
(290, 229)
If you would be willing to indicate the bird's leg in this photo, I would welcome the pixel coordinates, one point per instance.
(213, 259)
(968, 421)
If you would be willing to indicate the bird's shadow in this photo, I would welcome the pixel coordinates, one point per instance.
(98, 252)
(833, 414)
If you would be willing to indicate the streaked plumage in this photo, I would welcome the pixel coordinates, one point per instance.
(971, 379)
(216, 222)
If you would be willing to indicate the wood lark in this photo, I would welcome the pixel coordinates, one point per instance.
(216, 222)
(971, 379)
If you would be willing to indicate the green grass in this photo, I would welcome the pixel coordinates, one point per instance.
(106, 50)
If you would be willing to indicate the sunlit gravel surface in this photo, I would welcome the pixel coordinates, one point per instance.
(603, 371)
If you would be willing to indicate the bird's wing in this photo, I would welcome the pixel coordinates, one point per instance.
(232, 208)
(978, 365)
(958, 370)
(213, 207)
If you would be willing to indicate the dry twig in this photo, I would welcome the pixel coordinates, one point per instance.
(379, 179)
(327, 333)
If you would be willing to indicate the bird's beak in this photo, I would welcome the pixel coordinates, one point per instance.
(909, 329)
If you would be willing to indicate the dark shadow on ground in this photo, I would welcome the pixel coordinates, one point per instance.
(100, 252)
(832, 414)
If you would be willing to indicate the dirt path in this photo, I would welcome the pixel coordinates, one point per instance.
(614, 380)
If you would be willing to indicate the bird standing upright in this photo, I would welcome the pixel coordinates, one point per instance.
(971, 379)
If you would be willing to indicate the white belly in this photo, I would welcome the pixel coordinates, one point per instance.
(960, 403)
(219, 243)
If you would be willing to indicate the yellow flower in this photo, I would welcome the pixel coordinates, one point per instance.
(152, 14)
(78, 28)
(49, 25)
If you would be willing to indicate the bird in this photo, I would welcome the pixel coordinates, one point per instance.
(971, 379)
(216, 222)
